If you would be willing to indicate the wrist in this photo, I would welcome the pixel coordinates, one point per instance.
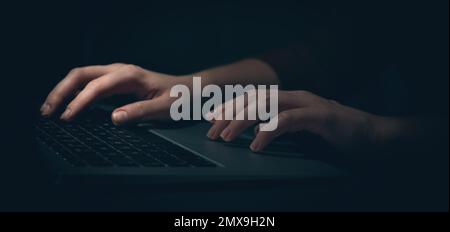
(204, 75)
(385, 130)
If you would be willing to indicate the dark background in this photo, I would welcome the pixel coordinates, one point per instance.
(42, 41)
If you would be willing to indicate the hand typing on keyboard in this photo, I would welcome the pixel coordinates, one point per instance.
(85, 85)
(96, 82)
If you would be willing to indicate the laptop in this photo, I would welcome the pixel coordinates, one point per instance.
(93, 150)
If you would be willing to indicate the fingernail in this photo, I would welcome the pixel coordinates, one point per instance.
(211, 133)
(67, 113)
(254, 147)
(45, 108)
(120, 116)
(226, 134)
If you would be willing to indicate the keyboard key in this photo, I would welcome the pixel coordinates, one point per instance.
(88, 142)
(64, 154)
(170, 160)
(94, 159)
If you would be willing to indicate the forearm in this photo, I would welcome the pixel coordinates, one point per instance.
(244, 72)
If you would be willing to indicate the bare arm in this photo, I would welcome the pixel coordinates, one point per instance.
(244, 72)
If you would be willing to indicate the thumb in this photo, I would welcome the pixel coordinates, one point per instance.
(140, 111)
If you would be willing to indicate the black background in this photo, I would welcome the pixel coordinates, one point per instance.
(42, 41)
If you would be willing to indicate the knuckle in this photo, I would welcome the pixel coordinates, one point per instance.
(138, 109)
(76, 71)
(135, 109)
(302, 93)
(283, 116)
(333, 103)
(140, 106)
(93, 85)
(55, 96)
(284, 120)
(116, 65)
(289, 96)
(131, 68)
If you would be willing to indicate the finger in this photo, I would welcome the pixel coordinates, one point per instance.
(246, 117)
(76, 79)
(288, 121)
(156, 108)
(226, 112)
(218, 118)
(240, 124)
(217, 128)
(256, 129)
(112, 83)
(233, 106)
(300, 98)
(217, 123)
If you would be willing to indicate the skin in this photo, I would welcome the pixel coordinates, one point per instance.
(342, 126)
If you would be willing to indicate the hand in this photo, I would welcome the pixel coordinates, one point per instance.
(89, 84)
(340, 125)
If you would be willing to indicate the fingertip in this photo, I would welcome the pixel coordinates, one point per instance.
(46, 109)
(214, 133)
(211, 133)
(255, 147)
(116, 123)
(67, 115)
(119, 117)
(226, 134)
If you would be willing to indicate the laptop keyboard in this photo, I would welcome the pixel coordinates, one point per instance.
(101, 144)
